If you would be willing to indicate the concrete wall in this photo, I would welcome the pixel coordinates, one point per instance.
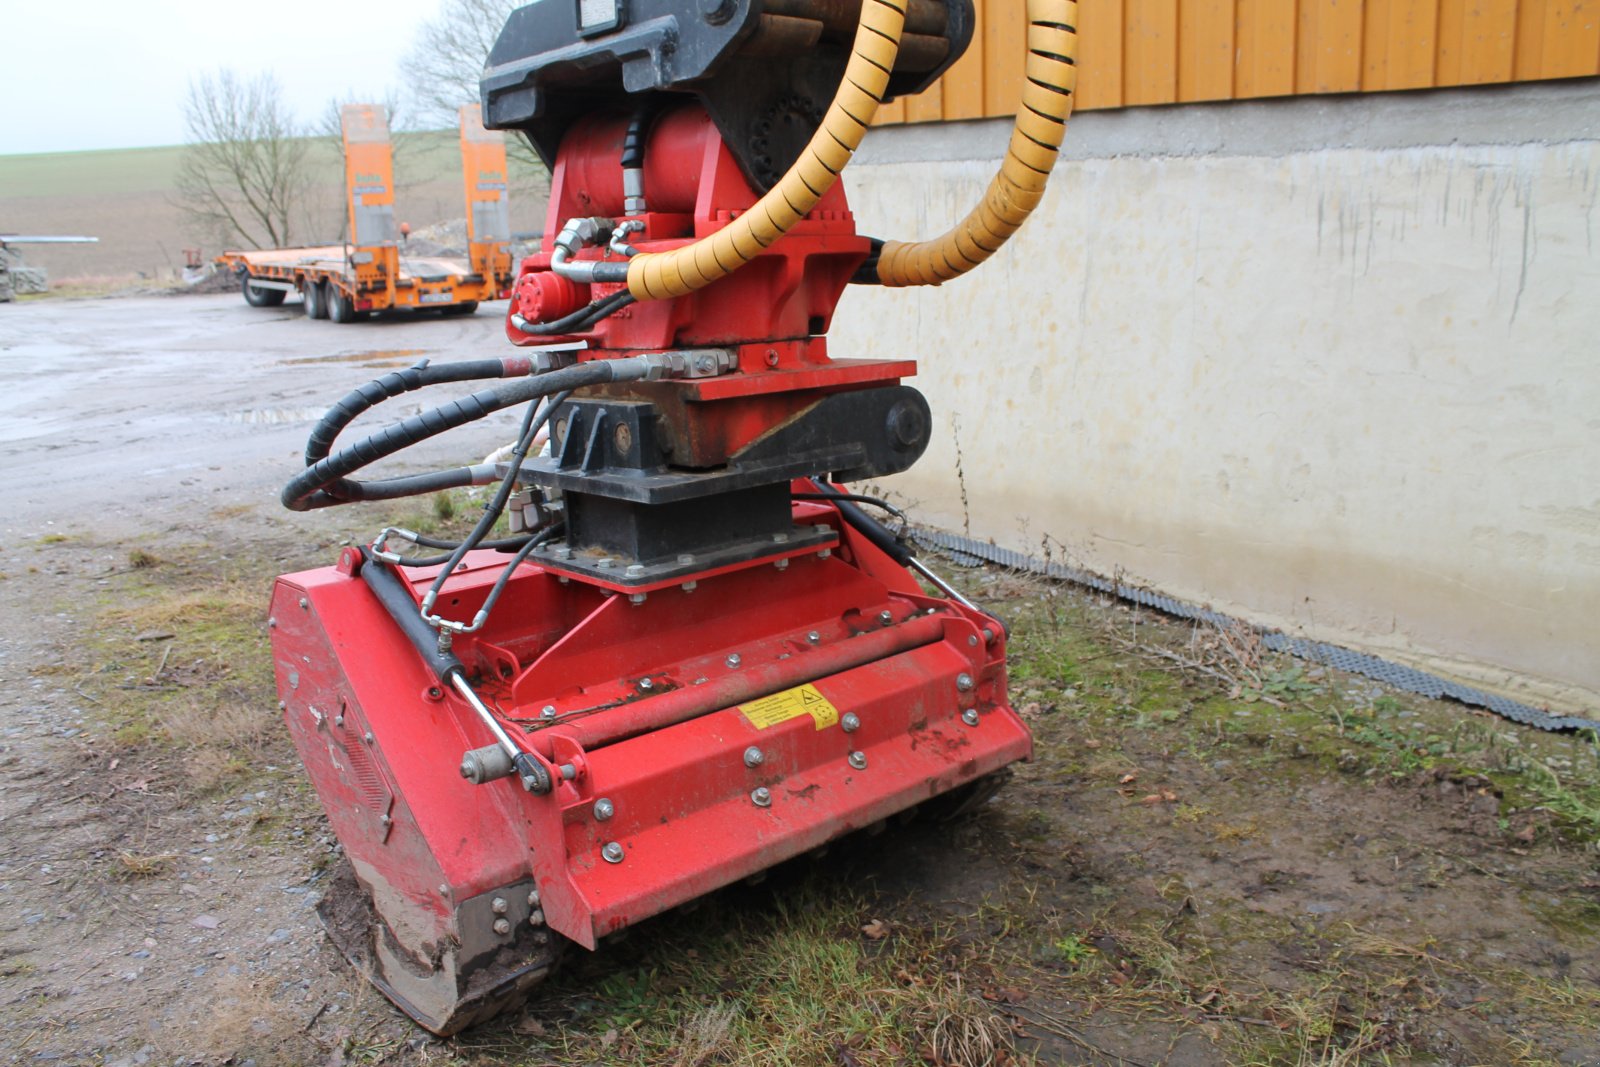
(1330, 364)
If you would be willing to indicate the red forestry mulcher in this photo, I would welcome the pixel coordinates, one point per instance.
(695, 655)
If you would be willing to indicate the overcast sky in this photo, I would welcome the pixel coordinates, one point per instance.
(78, 74)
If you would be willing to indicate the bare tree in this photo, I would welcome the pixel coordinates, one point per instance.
(244, 170)
(448, 55)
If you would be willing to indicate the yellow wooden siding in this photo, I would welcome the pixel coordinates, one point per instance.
(1133, 52)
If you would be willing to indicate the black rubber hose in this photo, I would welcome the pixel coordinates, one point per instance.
(633, 140)
(579, 320)
(491, 511)
(375, 392)
(854, 498)
(309, 489)
(866, 525)
(396, 600)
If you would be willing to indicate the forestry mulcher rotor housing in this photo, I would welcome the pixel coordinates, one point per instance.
(695, 655)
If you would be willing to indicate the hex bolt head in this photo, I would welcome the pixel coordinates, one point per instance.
(972, 640)
(604, 809)
(634, 570)
(498, 905)
(367, 737)
(645, 683)
(813, 637)
(272, 622)
(761, 797)
(444, 890)
(536, 917)
(338, 720)
(533, 898)
(637, 598)
(686, 559)
(970, 716)
(305, 605)
(858, 760)
(885, 617)
(850, 723)
(780, 564)
(780, 538)
(502, 926)
(824, 553)
(540, 937)
(547, 712)
(612, 852)
(689, 587)
(964, 682)
(733, 660)
(753, 757)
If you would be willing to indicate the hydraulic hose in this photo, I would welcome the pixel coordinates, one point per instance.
(1051, 75)
(661, 275)
(313, 487)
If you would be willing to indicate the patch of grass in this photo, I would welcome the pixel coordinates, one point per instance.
(790, 981)
(133, 865)
(139, 559)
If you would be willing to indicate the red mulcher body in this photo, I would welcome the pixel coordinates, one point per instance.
(715, 670)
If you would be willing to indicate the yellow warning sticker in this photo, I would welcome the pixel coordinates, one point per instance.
(791, 704)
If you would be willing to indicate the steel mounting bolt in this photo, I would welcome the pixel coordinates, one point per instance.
(634, 570)
(972, 640)
(305, 604)
(781, 564)
(540, 937)
(444, 890)
(988, 635)
(761, 797)
(754, 757)
(547, 712)
(733, 659)
(533, 898)
(824, 553)
(970, 716)
(636, 598)
(645, 683)
(282, 704)
(502, 926)
(858, 760)
(964, 682)
(338, 720)
(885, 617)
(536, 917)
(813, 637)
(272, 622)
(606, 562)
(690, 586)
(367, 737)
(612, 852)
(604, 809)
(498, 905)
(850, 723)
(685, 559)
(780, 538)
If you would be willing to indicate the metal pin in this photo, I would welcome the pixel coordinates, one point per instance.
(547, 712)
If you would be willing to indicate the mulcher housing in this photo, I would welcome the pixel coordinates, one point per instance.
(704, 659)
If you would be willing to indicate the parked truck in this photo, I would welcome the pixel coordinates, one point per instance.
(370, 272)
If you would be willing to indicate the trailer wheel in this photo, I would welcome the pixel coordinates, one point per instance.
(260, 298)
(340, 307)
(316, 300)
(467, 307)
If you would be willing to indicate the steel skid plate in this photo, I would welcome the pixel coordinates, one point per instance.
(714, 728)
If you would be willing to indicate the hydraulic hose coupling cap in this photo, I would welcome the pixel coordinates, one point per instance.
(545, 296)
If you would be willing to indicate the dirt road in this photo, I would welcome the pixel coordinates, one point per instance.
(1217, 857)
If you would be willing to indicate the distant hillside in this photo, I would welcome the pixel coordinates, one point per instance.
(124, 197)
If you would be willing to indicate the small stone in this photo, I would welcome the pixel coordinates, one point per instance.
(206, 922)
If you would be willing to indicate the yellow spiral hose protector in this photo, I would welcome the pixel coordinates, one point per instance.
(661, 275)
(1051, 77)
